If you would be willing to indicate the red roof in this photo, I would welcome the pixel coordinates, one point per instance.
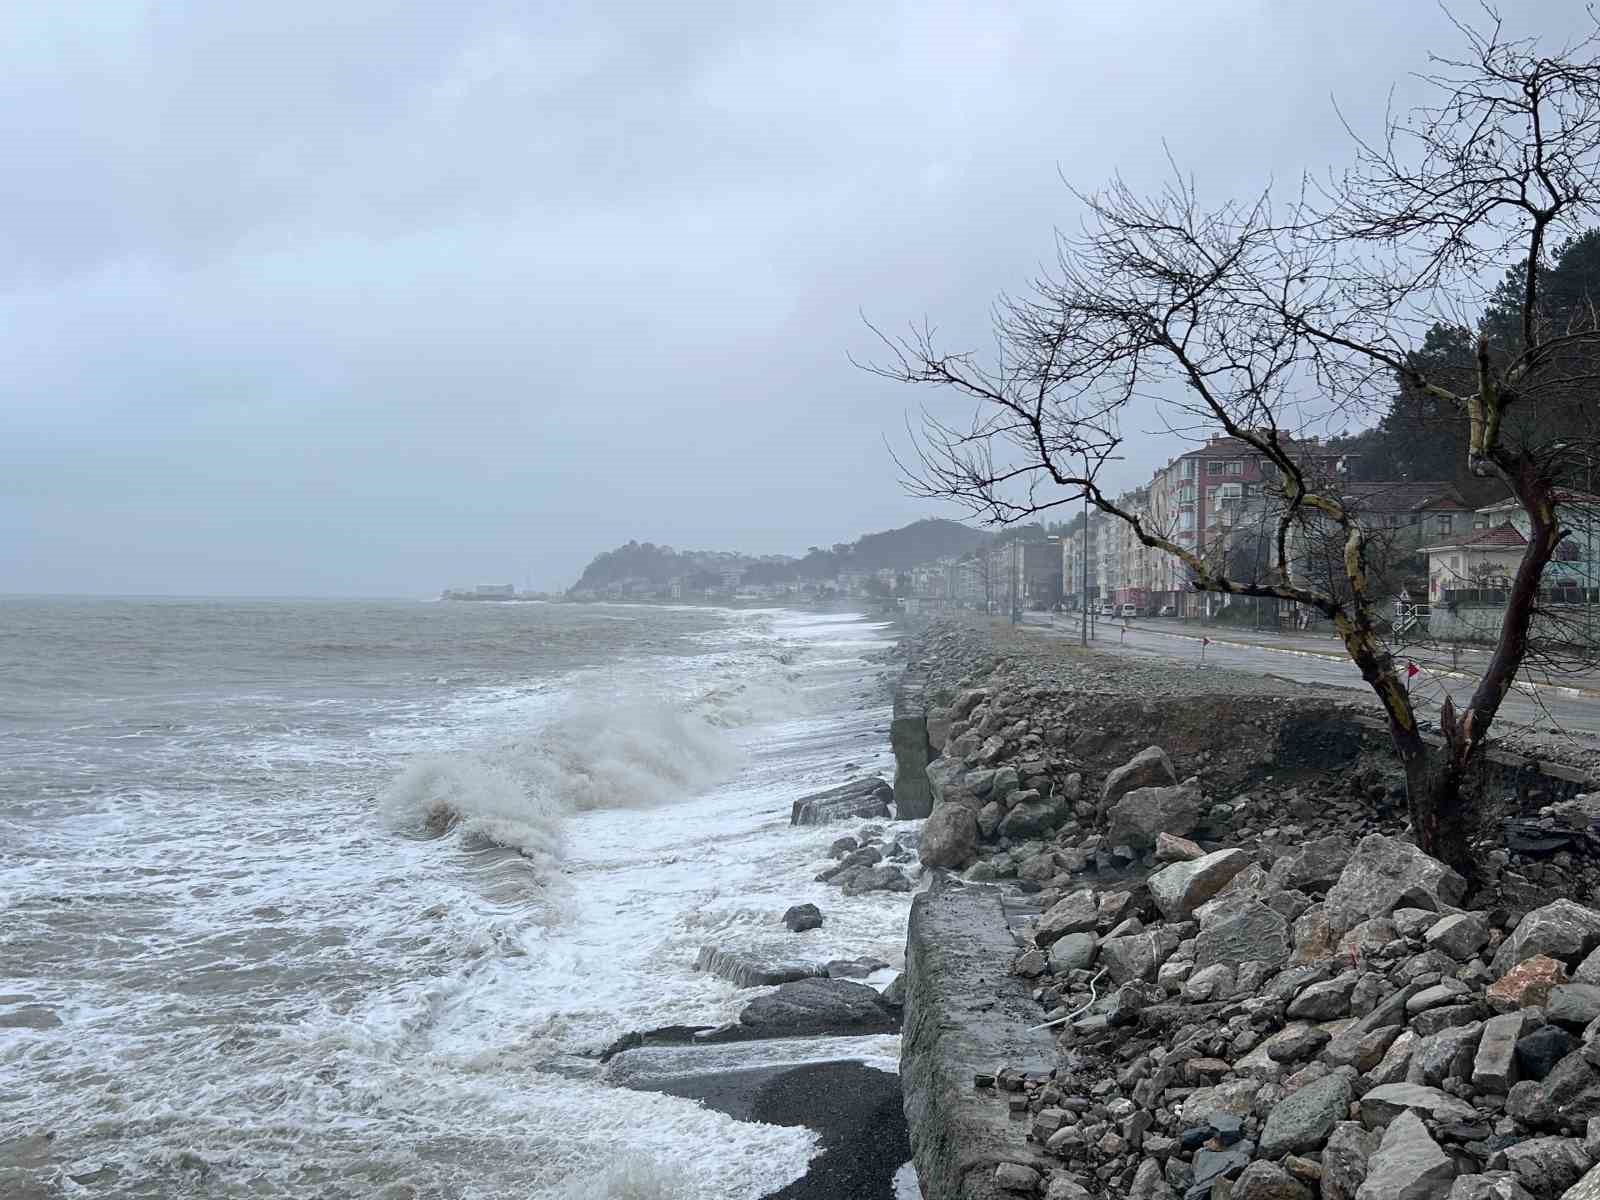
(1403, 495)
(1504, 535)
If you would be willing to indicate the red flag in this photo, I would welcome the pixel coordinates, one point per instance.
(1412, 669)
(1205, 641)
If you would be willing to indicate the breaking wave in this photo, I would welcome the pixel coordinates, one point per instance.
(516, 793)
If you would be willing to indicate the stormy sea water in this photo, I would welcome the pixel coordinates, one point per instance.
(322, 899)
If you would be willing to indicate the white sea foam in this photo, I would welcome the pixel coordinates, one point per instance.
(309, 1004)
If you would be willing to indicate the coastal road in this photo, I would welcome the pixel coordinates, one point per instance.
(1548, 711)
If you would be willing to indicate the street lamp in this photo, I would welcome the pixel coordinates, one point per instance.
(1084, 635)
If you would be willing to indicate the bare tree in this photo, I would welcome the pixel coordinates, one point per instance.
(1261, 319)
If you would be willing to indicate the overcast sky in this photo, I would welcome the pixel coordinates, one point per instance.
(374, 298)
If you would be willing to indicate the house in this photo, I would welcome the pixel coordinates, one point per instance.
(1475, 560)
(1469, 575)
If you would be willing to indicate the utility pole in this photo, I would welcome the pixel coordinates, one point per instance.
(1084, 639)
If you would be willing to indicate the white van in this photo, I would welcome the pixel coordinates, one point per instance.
(1130, 610)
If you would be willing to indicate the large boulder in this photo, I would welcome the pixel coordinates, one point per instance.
(1078, 912)
(1250, 933)
(818, 1006)
(1139, 815)
(1034, 817)
(1548, 1166)
(1408, 1165)
(1149, 768)
(1184, 886)
(1384, 874)
(1380, 1106)
(1303, 1119)
(1562, 930)
(1315, 867)
(949, 837)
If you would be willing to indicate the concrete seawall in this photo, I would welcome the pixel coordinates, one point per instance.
(908, 736)
(965, 1013)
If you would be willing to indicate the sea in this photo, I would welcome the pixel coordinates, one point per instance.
(312, 899)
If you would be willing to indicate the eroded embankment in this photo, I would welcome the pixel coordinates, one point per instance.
(1261, 989)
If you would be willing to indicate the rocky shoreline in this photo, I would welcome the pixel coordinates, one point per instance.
(1253, 986)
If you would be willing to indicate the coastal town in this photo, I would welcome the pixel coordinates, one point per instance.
(1445, 561)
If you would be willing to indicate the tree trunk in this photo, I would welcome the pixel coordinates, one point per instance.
(1442, 803)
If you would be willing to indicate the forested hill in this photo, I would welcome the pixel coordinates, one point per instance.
(893, 549)
(1420, 438)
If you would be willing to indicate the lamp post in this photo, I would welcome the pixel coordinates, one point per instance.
(1084, 635)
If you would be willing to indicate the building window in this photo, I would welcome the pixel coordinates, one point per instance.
(1213, 468)
(1188, 520)
(1445, 522)
(1236, 467)
(1455, 562)
(1188, 468)
(1269, 470)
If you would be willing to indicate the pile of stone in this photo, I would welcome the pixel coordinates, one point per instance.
(867, 863)
(1327, 1023)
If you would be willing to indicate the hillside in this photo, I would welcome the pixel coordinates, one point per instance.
(645, 565)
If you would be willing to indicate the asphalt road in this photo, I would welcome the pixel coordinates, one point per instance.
(1547, 712)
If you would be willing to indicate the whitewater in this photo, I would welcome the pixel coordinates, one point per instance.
(315, 899)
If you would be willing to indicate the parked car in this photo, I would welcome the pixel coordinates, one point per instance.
(1131, 610)
(1108, 610)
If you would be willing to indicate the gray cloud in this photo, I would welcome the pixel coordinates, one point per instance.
(376, 297)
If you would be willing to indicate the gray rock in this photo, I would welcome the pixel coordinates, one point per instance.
(1491, 1185)
(876, 879)
(1587, 1188)
(1142, 813)
(1382, 1105)
(1539, 1052)
(1344, 1160)
(949, 837)
(1134, 959)
(1014, 1177)
(1436, 1020)
(1184, 886)
(1384, 874)
(1437, 996)
(1212, 1165)
(1573, 1005)
(1303, 1119)
(1408, 1165)
(1035, 817)
(1078, 912)
(1395, 1064)
(855, 968)
(1324, 1001)
(1074, 952)
(1567, 1097)
(1268, 1181)
(1209, 983)
(746, 968)
(1148, 1183)
(1253, 933)
(802, 917)
(818, 1006)
(1589, 969)
(1445, 1055)
(1495, 1067)
(1315, 867)
(1460, 935)
(1170, 848)
(1548, 1166)
(1562, 930)
(1063, 1187)
(1149, 768)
